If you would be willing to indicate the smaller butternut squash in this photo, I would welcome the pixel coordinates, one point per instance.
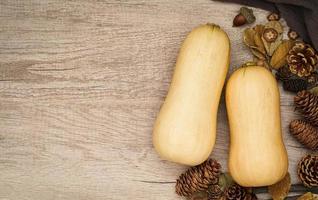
(257, 153)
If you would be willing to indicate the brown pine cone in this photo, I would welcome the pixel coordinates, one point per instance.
(305, 133)
(295, 85)
(215, 192)
(236, 192)
(308, 170)
(201, 195)
(313, 78)
(307, 104)
(302, 59)
(284, 74)
(198, 178)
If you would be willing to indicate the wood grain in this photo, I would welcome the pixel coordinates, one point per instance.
(81, 83)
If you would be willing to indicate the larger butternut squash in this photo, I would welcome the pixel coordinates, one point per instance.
(257, 153)
(185, 129)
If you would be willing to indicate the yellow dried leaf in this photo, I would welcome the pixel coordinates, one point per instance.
(259, 43)
(267, 66)
(275, 25)
(258, 54)
(280, 190)
(314, 90)
(306, 196)
(253, 40)
(271, 46)
(279, 57)
(225, 180)
(248, 37)
(259, 29)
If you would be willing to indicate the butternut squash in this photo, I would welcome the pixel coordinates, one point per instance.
(185, 128)
(257, 153)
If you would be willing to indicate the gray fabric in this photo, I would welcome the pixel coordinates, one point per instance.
(300, 15)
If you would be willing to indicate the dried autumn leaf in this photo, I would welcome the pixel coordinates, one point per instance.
(253, 40)
(259, 43)
(280, 190)
(306, 196)
(314, 90)
(275, 25)
(259, 29)
(267, 66)
(225, 181)
(248, 37)
(258, 54)
(279, 57)
(272, 45)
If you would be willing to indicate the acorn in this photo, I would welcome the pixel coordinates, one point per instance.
(245, 16)
(239, 20)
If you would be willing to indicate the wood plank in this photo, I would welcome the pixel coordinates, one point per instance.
(81, 83)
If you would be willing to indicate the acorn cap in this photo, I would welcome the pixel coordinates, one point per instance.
(248, 14)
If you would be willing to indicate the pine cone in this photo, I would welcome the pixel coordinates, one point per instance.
(308, 170)
(295, 85)
(198, 178)
(302, 59)
(307, 104)
(305, 133)
(284, 74)
(215, 192)
(313, 78)
(236, 192)
(201, 195)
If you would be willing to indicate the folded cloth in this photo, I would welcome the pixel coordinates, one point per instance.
(300, 15)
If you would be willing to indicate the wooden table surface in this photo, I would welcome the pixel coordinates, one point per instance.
(81, 83)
